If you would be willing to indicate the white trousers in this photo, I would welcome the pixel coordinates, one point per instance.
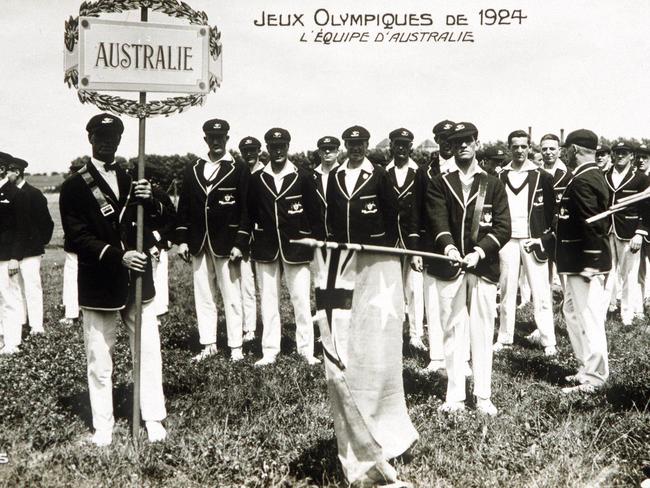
(70, 291)
(31, 292)
(249, 303)
(585, 319)
(413, 285)
(625, 271)
(11, 306)
(161, 283)
(432, 304)
(513, 259)
(99, 339)
(473, 297)
(298, 280)
(212, 274)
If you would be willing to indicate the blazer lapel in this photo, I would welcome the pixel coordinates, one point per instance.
(103, 186)
(453, 182)
(198, 175)
(340, 181)
(533, 180)
(124, 184)
(287, 183)
(225, 169)
(319, 186)
(364, 178)
(267, 179)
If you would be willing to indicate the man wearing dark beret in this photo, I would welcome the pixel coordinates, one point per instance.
(583, 255)
(212, 228)
(249, 148)
(402, 171)
(10, 295)
(33, 231)
(627, 228)
(98, 211)
(467, 214)
(282, 206)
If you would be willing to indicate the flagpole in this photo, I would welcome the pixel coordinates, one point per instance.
(370, 248)
(144, 15)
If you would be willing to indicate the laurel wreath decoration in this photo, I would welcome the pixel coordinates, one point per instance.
(133, 108)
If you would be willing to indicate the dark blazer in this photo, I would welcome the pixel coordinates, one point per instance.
(101, 241)
(321, 199)
(368, 213)
(7, 221)
(561, 178)
(629, 221)
(408, 217)
(541, 205)
(165, 234)
(278, 217)
(217, 218)
(579, 245)
(34, 225)
(449, 219)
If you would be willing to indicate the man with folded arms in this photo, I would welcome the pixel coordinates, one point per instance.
(583, 257)
(467, 210)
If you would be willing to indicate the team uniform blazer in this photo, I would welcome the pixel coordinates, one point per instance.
(34, 225)
(7, 221)
(367, 214)
(579, 245)
(408, 217)
(541, 204)
(101, 241)
(218, 217)
(322, 197)
(450, 221)
(277, 217)
(629, 221)
(561, 178)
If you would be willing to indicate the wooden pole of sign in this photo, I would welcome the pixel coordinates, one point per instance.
(561, 136)
(144, 14)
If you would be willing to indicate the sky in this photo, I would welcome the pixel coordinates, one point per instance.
(570, 64)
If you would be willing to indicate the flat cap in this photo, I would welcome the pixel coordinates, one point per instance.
(249, 141)
(20, 163)
(105, 123)
(627, 146)
(462, 130)
(277, 134)
(582, 138)
(216, 126)
(443, 128)
(356, 133)
(328, 141)
(5, 158)
(495, 153)
(603, 148)
(401, 134)
(643, 149)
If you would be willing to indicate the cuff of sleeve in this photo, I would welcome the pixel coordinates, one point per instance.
(449, 248)
(642, 232)
(480, 252)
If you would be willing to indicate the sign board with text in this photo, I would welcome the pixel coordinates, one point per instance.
(143, 57)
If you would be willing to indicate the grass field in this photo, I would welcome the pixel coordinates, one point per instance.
(235, 425)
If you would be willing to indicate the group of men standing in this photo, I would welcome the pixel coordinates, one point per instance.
(25, 228)
(236, 224)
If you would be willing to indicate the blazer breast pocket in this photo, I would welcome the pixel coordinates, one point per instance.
(369, 205)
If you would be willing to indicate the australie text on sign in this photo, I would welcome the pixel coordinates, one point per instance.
(136, 56)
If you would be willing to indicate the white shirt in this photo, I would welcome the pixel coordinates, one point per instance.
(447, 165)
(110, 177)
(559, 164)
(210, 170)
(617, 177)
(324, 177)
(20, 185)
(3, 181)
(287, 169)
(401, 173)
(259, 165)
(467, 179)
(352, 175)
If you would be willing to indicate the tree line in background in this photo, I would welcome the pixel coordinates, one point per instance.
(167, 171)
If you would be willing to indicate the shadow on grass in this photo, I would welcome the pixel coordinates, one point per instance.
(538, 367)
(319, 464)
(629, 397)
(79, 405)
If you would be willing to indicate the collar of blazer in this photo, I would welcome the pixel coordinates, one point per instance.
(630, 172)
(412, 168)
(580, 170)
(452, 180)
(123, 183)
(366, 170)
(289, 175)
(225, 168)
(318, 172)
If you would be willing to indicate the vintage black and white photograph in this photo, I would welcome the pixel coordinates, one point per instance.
(325, 244)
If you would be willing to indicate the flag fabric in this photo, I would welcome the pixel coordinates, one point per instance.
(360, 314)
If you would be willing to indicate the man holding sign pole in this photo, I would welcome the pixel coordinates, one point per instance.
(98, 213)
